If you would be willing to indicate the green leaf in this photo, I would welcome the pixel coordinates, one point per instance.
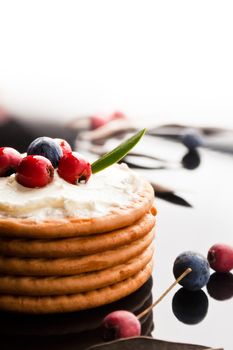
(117, 153)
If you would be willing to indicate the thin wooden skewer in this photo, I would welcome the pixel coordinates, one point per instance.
(185, 273)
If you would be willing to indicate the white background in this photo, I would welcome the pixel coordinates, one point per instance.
(161, 60)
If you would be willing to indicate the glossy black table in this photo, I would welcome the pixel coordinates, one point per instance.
(208, 220)
(209, 189)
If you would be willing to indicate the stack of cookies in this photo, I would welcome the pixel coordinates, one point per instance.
(52, 265)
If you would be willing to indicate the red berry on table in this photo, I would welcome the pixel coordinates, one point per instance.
(97, 121)
(117, 115)
(121, 324)
(74, 168)
(9, 160)
(35, 171)
(220, 257)
(65, 146)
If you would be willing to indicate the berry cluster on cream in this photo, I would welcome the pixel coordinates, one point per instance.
(44, 154)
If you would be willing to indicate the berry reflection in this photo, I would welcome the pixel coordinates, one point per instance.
(190, 307)
(220, 286)
(191, 160)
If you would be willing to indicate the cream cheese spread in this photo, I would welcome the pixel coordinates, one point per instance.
(115, 187)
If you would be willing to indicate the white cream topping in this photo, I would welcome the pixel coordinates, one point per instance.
(113, 188)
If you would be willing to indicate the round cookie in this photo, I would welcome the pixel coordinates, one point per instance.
(68, 247)
(75, 302)
(74, 266)
(74, 284)
(74, 226)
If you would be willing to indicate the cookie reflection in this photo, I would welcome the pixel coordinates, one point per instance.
(69, 331)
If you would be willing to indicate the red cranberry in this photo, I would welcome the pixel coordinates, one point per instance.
(35, 171)
(97, 121)
(65, 146)
(220, 257)
(9, 160)
(121, 324)
(117, 115)
(74, 168)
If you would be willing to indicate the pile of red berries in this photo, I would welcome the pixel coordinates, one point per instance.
(44, 154)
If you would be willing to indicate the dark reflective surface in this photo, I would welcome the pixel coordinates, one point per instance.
(72, 330)
(210, 220)
(209, 189)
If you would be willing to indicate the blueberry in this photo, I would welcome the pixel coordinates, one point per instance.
(46, 147)
(192, 139)
(200, 274)
(190, 307)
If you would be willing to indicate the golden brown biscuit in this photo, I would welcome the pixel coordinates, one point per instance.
(68, 247)
(75, 302)
(74, 266)
(41, 286)
(73, 227)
